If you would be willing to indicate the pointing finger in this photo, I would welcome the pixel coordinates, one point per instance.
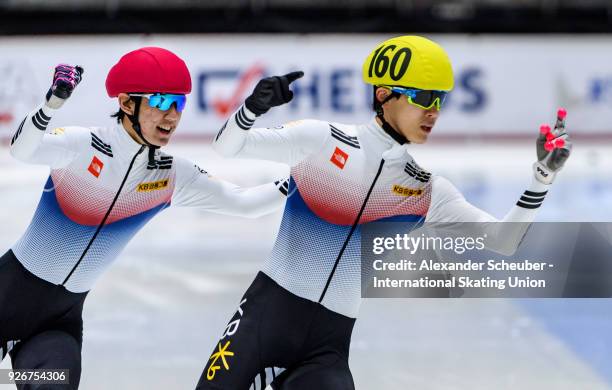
(292, 76)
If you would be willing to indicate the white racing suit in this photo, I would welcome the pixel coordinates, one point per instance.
(342, 178)
(101, 191)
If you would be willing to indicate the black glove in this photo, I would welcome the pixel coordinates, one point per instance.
(65, 79)
(271, 92)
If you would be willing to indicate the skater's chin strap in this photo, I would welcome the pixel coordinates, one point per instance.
(380, 114)
(136, 125)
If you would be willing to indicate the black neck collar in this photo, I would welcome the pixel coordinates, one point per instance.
(397, 137)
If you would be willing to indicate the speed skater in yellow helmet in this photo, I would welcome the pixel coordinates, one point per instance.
(414, 67)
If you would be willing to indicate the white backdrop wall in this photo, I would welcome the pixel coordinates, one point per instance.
(504, 85)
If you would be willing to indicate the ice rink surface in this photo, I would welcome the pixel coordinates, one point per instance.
(153, 319)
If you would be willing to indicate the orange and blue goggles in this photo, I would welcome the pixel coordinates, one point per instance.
(421, 98)
(164, 101)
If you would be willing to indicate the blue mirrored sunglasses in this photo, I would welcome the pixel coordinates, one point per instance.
(424, 99)
(164, 101)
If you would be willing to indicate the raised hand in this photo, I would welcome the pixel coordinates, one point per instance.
(271, 92)
(553, 149)
(65, 79)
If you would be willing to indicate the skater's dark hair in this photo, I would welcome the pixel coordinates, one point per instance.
(120, 114)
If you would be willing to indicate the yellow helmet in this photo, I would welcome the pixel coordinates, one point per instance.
(409, 61)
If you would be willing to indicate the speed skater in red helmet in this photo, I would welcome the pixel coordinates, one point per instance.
(104, 185)
(161, 79)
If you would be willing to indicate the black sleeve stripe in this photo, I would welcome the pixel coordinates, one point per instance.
(415, 169)
(343, 137)
(242, 126)
(38, 125)
(40, 120)
(245, 117)
(242, 121)
(43, 116)
(535, 194)
(103, 151)
(533, 198)
(165, 162)
(531, 201)
(40, 115)
(355, 145)
(421, 179)
(339, 132)
(99, 140)
(418, 177)
(221, 131)
(410, 169)
(426, 177)
(97, 144)
(417, 173)
(527, 206)
(18, 132)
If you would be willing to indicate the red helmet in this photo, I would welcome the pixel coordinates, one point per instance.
(149, 70)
